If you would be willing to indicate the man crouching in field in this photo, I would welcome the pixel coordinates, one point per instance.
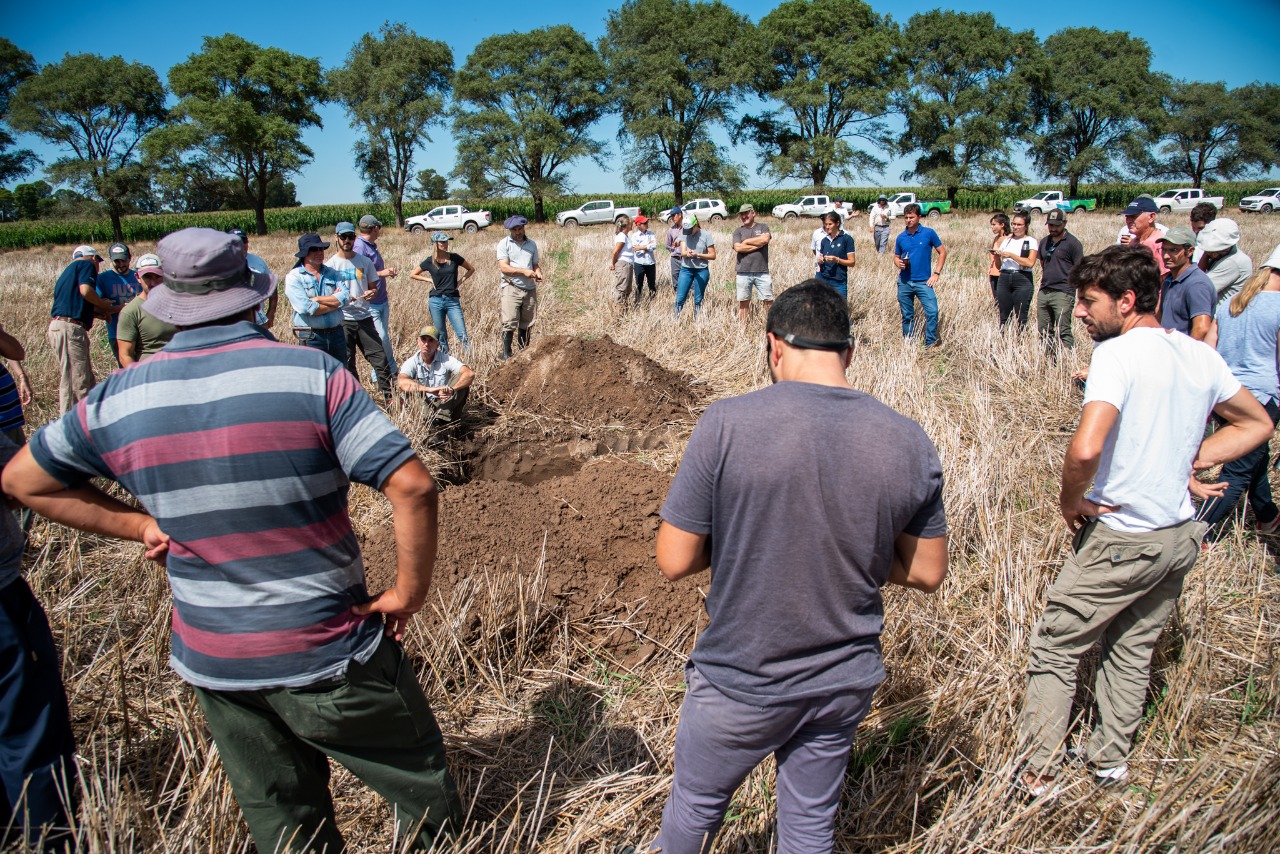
(1148, 396)
(241, 450)
(800, 550)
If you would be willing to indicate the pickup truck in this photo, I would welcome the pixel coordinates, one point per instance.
(805, 206)
(932, 208)
(1185, 199)
(592, 213)
(1265, 201)
(448, 217)
(707, 210)
(1054, 199)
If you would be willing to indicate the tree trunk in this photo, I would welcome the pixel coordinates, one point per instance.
(538, 215)
(260, 206)
(397, 202)
(116, 227)
(818, 174)
(677, 179)
(1073, 186)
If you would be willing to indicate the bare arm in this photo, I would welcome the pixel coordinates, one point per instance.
(681, 553)
(1248, 426)
(1084, 454)
(20, 377)
(84, 507)
(127, 351)
(1200, 328)
(10, 347)
(421, 275)
(919, 562)
(414, 507)
(91, 296)
(1211, 338)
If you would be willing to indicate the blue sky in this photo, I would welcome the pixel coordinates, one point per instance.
(1229, 41)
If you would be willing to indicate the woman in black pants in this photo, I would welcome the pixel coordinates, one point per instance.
(999, 231)
(1017, 255)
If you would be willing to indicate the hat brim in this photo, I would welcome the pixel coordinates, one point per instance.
(164, 303)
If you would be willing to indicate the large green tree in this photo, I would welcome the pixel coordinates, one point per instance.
(1093, 94)
(962, 107)
(394, 87)
(833, 66)
(242, 111)
(526, 104)
(97, 110)
(1206, 133)
(677, 69)
(431, 186)
(16, 65)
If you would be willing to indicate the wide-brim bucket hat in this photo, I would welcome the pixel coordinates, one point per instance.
(206, 277)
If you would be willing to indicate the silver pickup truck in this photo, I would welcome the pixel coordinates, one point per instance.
(592, 213)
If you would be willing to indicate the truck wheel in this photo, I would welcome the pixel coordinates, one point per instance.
(1164, 209)
(1078, 209)
(715, 217)
(788, 216)
(416, 229)
(1266, 209)
(933, 213)
(570, 223)
(471, 228)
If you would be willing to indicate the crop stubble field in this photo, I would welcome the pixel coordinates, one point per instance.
(552, 650)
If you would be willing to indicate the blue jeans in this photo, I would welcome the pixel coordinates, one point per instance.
(698, 279)
(842, 288)
(450, 308)
(381, 317)
(1248, 474)
(332, 341)
(908, 293)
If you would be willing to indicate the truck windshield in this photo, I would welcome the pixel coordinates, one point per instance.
(1040, 196)
(1167, 194)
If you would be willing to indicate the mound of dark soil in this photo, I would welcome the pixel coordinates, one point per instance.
(599, 525)
(592, 381)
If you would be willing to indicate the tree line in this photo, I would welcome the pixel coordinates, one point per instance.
(1083, 104)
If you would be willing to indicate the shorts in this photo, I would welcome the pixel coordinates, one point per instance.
(762, 282)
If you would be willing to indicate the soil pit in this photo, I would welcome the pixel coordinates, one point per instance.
(598, 524)
(531, 458)
(592, 382)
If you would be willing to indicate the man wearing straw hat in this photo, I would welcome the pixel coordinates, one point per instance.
(240, 451)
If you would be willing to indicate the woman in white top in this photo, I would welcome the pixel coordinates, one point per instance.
(1017, 255)
(621, 262)
(643, 242)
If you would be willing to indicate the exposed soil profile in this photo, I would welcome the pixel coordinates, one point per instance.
(592, 381)
(598, 525)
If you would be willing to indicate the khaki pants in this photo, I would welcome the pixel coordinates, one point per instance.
(1117, 588)
(1053, 317)
(70, 344)
(519, 306)
(623, 278)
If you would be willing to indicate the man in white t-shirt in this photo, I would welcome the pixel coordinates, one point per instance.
(1139, 438)
(441, 380)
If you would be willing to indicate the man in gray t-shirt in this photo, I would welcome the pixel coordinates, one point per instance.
(800, 549)
(751, 243)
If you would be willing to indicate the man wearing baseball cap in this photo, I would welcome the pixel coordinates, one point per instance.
(117, 286)
(1221, 258)
(878, 219)
(241, 451)
(317, 293)
(140, 334)
(1187, 296)
(380, 304)
(358, 326)
(266, 315)
(1059, 252)
(442, 381)
(521, 273)
(74, 302)
(1140, 219)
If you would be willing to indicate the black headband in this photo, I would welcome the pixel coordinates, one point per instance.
(815, 344)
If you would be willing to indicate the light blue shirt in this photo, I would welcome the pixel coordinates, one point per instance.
(1248, 344)
(300, 286)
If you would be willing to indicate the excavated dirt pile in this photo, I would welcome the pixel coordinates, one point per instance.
(570, 478)
(593, 381)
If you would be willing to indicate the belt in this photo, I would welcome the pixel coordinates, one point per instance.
(77, 321)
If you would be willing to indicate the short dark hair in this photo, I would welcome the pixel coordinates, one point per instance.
(1003, 219)
(911, 207)
(1204, 212)
(811, 309)
(1117, 269)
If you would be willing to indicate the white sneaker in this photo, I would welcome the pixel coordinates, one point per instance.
(1108, 777)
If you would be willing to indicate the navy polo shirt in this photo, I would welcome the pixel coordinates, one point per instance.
(918, 248)
(1185, 298)
(841, 247)
(67, 300)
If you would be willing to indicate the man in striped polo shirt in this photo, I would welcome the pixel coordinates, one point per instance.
(240, 450)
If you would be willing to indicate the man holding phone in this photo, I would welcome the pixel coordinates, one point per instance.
(917, 277)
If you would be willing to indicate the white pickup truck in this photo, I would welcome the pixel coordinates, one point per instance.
(1265, 201)
(594, 212)
(448, 217)
(1172, 201)
(804, 206)
(932, 208)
